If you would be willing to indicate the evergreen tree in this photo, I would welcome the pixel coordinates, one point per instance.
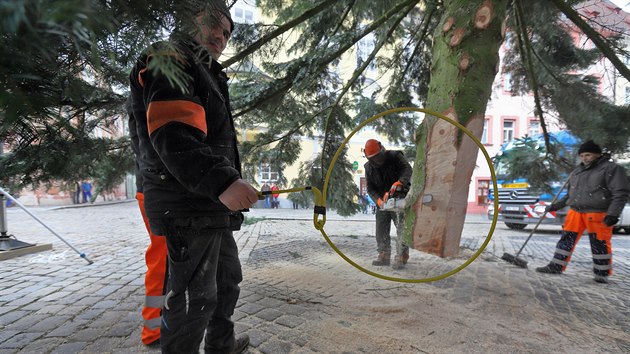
(65, 68)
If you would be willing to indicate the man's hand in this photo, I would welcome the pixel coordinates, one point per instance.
(551, 207)
(396, 187)
(239, 195)
(380, 203)
(610, 220)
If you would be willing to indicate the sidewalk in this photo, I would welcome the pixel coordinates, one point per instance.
(299, 296)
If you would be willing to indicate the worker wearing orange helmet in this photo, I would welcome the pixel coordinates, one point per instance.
(388, 174)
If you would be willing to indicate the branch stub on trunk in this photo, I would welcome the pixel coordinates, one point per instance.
(448, 24)
(457, 37)
(464, 62)
(483, 16)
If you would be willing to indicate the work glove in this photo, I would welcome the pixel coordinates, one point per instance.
(396, 187)
(551, 207)
(610, 220)
(380, 203)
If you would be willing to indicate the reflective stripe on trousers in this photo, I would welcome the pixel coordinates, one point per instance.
(599, 237)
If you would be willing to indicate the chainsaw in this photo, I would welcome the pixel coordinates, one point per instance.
(394, 204)
(398, 203)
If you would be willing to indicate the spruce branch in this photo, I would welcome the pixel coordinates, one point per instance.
(594, 36)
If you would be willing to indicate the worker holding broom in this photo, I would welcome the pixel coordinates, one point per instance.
(598, 190)
(387, 174)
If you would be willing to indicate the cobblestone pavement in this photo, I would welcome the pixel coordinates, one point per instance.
(300, 296)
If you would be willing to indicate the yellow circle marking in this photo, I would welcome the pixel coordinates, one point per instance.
(320, 226)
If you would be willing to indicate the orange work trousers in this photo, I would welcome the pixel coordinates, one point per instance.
(154, 281)
(599, 235)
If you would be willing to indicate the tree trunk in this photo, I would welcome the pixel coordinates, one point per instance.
(465, 62)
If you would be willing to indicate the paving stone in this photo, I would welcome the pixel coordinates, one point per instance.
(275, 346)
(19, 340)
(69, 348)
(4, 308)
(289, 321)
(6, 334)
(67, 329)
(251, 309)
(71, 310)
(85, 335)
(269, 314)
(48, 324)
(21, 319)
(103, 345)
(41, 345)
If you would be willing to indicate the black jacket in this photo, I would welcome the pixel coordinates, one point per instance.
(380, 178)
(187, 152)
(600, 187)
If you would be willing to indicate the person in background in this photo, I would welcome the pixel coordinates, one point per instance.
(86, 188)
(193, 189)
(266, 188)
(597, 193)
(388, 174)
(76, 195)
(275, 203)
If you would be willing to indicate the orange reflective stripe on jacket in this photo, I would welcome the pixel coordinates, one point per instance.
(160, 113)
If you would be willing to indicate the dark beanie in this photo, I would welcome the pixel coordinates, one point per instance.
(590, 146)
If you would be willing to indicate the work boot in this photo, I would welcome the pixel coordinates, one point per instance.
(399, 263)
(601, 279)
(549, 269)
(242, 342)
(383, 259)
(400, 260)
(405, 256)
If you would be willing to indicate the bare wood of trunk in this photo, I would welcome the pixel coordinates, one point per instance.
(465, 62)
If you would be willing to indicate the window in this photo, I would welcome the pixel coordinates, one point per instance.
(238, 12)
(365, 46)
(507, 84)
(484, 135)
(267, 173)
(483, 185)
(508, 131)
(249, 16)
(534, 128)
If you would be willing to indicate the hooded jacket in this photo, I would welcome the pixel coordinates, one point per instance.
(601, 186)
(186, 142)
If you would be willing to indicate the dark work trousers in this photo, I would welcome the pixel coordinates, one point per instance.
(599, 235)
(384, 220)
(202, 289)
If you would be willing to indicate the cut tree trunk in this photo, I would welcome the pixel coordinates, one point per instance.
(465, 62)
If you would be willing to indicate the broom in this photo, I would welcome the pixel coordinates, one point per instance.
(520, 262)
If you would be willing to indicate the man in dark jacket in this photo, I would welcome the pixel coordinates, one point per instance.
(388, 175)
(598, 190)
(192, 183)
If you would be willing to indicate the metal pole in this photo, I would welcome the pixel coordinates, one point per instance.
(3, 216)
(46, 226)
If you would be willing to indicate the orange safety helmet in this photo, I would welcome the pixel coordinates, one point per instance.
(372, 147)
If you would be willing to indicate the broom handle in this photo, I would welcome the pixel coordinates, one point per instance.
(543, 215)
